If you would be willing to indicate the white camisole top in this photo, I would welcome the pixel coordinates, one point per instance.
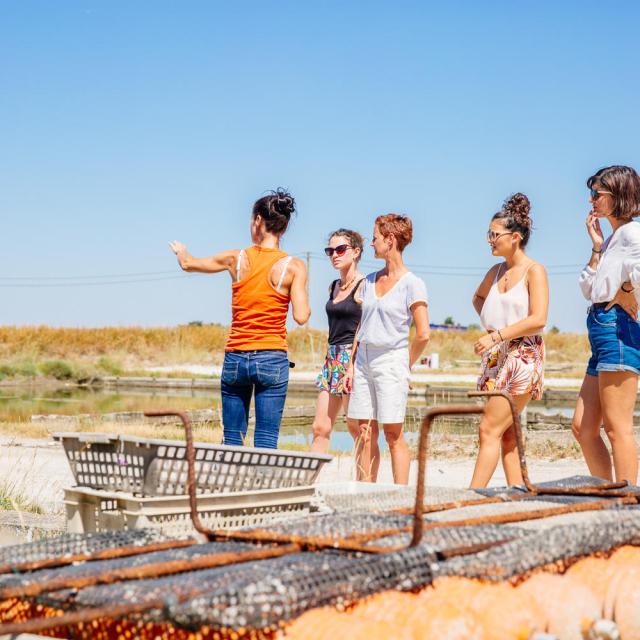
(502, 309)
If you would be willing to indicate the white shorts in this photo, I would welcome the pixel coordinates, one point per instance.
(380, 384)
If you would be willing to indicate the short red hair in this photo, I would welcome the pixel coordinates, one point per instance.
(398, 225)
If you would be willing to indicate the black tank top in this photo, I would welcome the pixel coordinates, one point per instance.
(344, 316)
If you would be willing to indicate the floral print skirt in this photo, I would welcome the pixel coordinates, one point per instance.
(515, 366)
(335, 366)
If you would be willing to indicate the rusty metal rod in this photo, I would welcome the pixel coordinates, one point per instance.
(524, 516)
(533, 514)
(154, 570)
(104, 554)
(423, 444)
(459, 504)
(36, 625)
(310, 543)
(191, 466)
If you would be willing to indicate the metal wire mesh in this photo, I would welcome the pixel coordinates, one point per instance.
(77, 544)
(348, 499)
(97, 567)
(456, 537)
(601, 532)
(258, 595)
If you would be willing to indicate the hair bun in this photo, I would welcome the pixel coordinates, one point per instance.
(518, 206)
(282, 203)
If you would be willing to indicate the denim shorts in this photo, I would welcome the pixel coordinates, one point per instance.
(615, 340)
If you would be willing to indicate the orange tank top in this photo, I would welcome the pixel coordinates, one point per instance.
(258, 311)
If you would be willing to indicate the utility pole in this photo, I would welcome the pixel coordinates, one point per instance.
(308, 253)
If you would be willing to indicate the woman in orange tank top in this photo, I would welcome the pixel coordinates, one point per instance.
(264, 281)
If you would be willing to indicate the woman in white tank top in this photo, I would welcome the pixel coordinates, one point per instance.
(512, 301)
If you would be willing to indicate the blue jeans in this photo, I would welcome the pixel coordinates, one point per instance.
(615, 340)
(243, 371)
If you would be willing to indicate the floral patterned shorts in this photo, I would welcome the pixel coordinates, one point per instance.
(515, 366)
(335, 366)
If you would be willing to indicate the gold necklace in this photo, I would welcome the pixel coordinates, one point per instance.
(346, 285)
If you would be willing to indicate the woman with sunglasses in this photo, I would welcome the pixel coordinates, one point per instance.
(392, 299)
(611, 282)
(344, 310)
(264, 281)
(512, 302)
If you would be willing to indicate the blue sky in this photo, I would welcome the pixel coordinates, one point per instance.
(124, 125)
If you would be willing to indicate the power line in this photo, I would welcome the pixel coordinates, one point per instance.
(110, 275)
(141, 277)
(88, 284)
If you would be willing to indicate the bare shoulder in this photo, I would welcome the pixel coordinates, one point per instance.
(297, 266)
(229, 256)
(492, 273)
(537, 270)
(493, 270)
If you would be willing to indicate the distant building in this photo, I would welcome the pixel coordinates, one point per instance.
(448, 327)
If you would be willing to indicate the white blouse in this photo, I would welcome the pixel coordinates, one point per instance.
(386, 319)
(619, 262)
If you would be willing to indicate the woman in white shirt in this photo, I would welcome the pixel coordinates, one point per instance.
(611, 282)
(512, 301)
(391, 299)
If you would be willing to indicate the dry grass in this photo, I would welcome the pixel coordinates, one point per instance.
(82, 353)
(540, 445)
(44, 430)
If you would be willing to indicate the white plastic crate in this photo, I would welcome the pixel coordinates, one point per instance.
(93, 510)
(153, 467)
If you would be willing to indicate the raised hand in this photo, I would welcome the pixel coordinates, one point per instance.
(594, 231)
(177, 247)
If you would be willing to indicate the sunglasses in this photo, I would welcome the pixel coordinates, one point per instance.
(340, 250)
(492, 236)
(595, 194)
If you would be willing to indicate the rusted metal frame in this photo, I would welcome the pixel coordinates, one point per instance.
(104, 554)
(423, 445)
(154, 570)
(600, 490)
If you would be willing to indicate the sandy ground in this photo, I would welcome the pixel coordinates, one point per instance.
(38, 471)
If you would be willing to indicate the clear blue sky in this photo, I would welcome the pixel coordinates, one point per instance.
(124, 125)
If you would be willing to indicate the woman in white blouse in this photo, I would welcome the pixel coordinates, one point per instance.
(611, 282)
(391, 299)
